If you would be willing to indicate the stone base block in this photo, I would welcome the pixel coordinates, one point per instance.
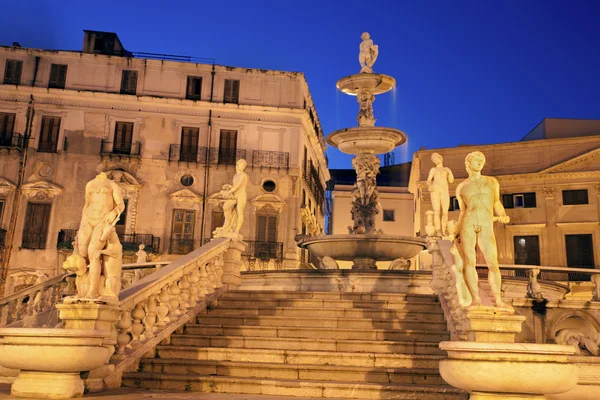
(491, 324)
(504, 396)
(47, 385)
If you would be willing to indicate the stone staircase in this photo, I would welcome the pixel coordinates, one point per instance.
(307, 344)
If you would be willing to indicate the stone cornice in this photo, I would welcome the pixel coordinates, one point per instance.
(573, 161)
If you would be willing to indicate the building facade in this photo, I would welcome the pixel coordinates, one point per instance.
(549, 186)
(169, 131)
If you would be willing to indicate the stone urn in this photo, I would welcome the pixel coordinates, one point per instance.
(515, 371)
(51, 360)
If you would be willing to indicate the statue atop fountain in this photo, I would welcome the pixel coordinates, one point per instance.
(368, 54)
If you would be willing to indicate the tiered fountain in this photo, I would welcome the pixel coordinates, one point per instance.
(365, 245)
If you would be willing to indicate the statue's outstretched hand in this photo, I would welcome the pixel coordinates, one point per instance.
(110, 217)
(504, 219)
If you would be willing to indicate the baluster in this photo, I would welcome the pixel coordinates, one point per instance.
(596, 291)
(184, 296)
(211, 277)
(163, 308)
(203, 283)
(150, 320)
(219, 271)
(137, 328)
(124, 337)
(194, 278)
(174, 291)
(4, 313)
(50, 298)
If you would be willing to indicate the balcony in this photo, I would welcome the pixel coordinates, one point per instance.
(204, 155)
(264, 250)
(312, 182)
(120, 149)
(270, 159)
(225, 156)
(130, 242)
(181, 246)
(12, 140)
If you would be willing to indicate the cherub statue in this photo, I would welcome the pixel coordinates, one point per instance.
(368, 53)
(141, 254)
(235, 198)
(97, 252)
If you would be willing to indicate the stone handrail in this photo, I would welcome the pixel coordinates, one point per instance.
(42, 297)
(158, 304)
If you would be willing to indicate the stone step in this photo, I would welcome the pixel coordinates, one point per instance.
(316, 389)
(330, 313)
(423, 376)
(320, 303)
(356, 346)
(345, 323)
(277, 294)
(283, 356)
(316, 333)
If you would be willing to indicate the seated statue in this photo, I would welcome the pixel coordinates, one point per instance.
(97, 252)
(234, 201)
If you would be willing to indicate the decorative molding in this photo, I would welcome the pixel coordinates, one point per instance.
(185, 195)
(549, 193)
(512, 227)
(426, 198)
(581, 224)
(310, 221)
(268, 203)
(44, 170)
(130, 190)
(6, 187)
(573, 161)
(41, 190)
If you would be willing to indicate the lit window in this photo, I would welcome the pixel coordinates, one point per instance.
(388, 215)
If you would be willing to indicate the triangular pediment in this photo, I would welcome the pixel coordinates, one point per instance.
(6, 187)
(268, 203)
(588, 161)
(185, 195)
(41, 190)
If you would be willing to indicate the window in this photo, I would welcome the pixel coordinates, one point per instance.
(574, 197)
(121, 223)
(218, 219)
(1, 210)
(58, 76)
(123, 138)
(389, 215)
(454, 205)
(580, 254)
(194, 88)
(129, 82)
(266, 228)
(35, 229)
(49, 135)
(527, 250)
(269, 186)
(187, 180)
(519, 200)
(189, 144)
(232, 91)
(227, 147)
(7, 124)
(182, 231)
(12, 72)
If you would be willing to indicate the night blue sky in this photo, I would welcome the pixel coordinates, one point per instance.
(467, 72)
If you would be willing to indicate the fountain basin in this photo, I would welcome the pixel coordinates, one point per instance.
(366, 139)
(51, 360)
(364, 250)
(375, 83)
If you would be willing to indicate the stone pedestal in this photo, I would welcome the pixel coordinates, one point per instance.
(491, 324)
(495, 371)
(232, 264)
(363, 263)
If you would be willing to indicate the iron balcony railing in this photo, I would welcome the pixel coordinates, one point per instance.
(264, 250)
(205, 155)
(559, 276)
(271, 159)
(181, 246)
(12, 140)
(316, 188)
(47, 147)
(129, 241)
(120, 149)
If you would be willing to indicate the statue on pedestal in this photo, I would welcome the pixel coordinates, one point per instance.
(141, 254)
(97, 252)
(437, 183)
(479, 199)
(368, 53)
(235, 198)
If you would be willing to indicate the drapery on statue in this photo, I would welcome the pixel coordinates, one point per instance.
(478, 198)
(368, 53)
(365, 198)
(234, 197)
(437, 183)
(97, 252)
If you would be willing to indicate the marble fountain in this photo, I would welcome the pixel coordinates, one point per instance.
(364, 244)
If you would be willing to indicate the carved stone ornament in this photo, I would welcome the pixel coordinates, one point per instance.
(268, 203)
(185, 195)
(6, 187)
(293, 184)
(44, 170)
(32, 190)
(549, 193)
(365, 197)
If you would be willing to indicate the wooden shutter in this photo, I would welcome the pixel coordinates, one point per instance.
(12, 75)
(58, 76)
(129, 82)
(194, 88)
(530, 200)
(232, 91)
(227, 147)
(507, 201)
(49, 134)
(218, 219)
(7, 124)
(189, 137)
(124, 133)
(266, 228)
(35, 230)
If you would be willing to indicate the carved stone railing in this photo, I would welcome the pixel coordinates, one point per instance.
(155, 306)
(35, 305)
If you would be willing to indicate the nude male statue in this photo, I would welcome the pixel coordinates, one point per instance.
(479, 198)
(437, 182)
(368, 53)
(235, 201)
(103, 207)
